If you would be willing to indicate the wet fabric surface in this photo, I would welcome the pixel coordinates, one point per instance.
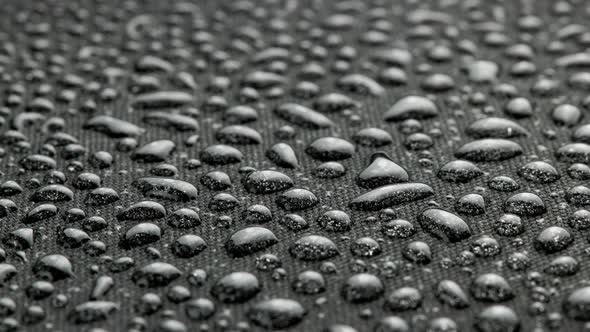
(294, 165)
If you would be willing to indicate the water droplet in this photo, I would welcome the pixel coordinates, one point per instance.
(313, 248)
(444, 225)
(391, 195)
(250, 240)
(276, 313)
(236, 287)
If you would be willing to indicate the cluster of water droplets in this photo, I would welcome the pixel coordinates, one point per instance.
(384, 166)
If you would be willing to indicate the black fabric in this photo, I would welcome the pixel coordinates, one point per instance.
(43, 41)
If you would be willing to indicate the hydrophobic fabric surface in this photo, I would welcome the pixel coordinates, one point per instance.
(101, 42)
